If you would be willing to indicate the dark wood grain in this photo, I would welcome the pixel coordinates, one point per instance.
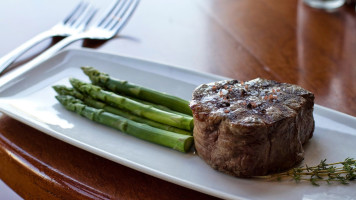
(275, 39)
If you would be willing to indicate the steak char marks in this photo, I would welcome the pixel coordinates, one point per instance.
(252, 128)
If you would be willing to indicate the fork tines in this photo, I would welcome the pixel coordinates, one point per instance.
(119, 14)
(76, 12)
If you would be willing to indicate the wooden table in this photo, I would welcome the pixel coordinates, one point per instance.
(275, 39)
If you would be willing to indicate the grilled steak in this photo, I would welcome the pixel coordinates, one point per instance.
(251, 128)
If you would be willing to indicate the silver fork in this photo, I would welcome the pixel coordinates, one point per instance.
(75, 22)
(107, 27)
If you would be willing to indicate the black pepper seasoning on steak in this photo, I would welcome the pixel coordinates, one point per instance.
(251, 128)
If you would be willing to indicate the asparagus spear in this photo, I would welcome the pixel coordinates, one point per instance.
(161, 107)
(166, 138)
(63, 90)
(120, 86)
(135, 107)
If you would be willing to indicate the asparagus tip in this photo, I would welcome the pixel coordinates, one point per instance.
(61, 99)
(87, 69)
(67, 99)
(56, 88)
(60, 88)
(74, 81)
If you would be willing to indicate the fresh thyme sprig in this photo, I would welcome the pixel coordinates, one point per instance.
(341, 172)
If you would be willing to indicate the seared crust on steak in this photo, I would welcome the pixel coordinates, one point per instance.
(251, 128)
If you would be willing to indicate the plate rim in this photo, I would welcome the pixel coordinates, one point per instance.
(127, 163)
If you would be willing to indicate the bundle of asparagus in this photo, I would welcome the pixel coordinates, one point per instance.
(137, 117)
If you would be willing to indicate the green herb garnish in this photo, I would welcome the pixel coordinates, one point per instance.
(339, 172)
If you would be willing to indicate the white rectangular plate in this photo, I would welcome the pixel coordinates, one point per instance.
(29, 98)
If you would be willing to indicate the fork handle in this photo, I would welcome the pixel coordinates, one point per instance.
(9, 58)
(54, 49)
(39, 59)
